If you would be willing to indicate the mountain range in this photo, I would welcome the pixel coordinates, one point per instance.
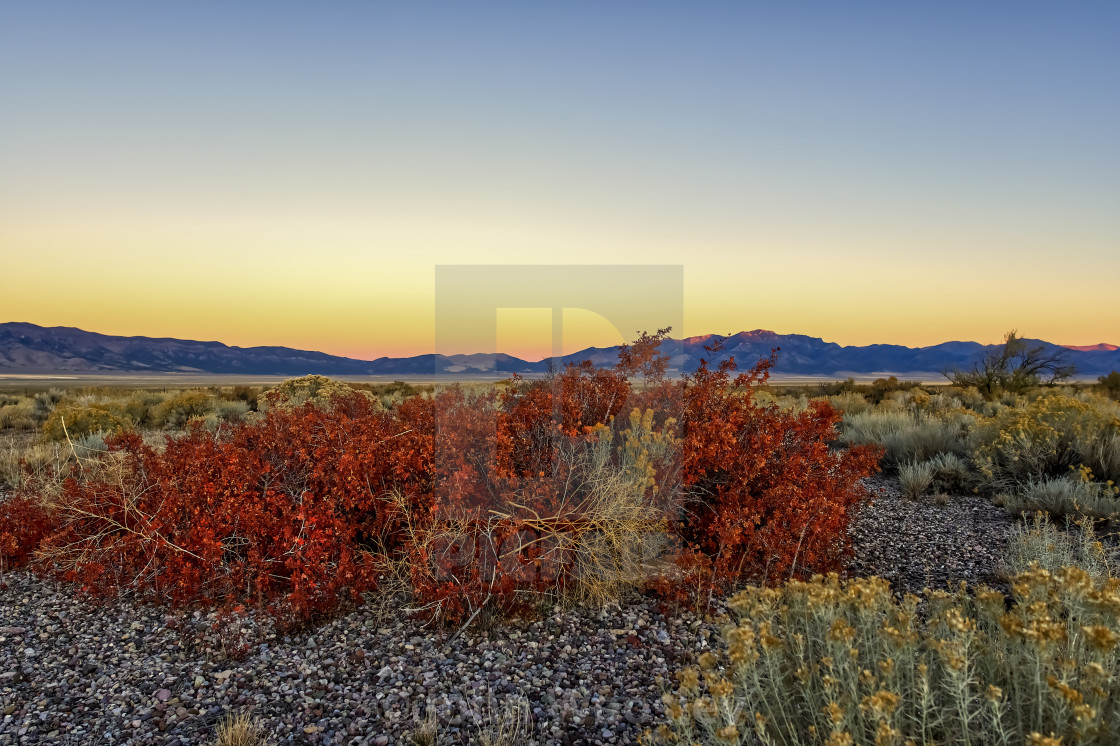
(29, 349)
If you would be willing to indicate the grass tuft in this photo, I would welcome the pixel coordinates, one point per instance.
(239, 730)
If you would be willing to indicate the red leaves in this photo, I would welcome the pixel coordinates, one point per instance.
(276, 510)
(23, 524)
(478, 496)
(767, 497)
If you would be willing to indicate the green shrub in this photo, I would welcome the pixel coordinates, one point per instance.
(873, 426)
(951, 474)
(905, 436)
(90, 446)
(881, 388)
(231, 411)
(849, 402)
(142, 406)
(1073, 495)
(45, 403)
(1102, 454)
(925, 439)
(825, 662)
(1110, 384)
(941, 402)
(915, 477)
(17, 415)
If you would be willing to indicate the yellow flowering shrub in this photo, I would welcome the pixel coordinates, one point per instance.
(296, 392)
(77, 420)
(1039, 438)
(831, 662)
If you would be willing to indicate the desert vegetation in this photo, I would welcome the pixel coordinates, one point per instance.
(492, 498)
(465, 505)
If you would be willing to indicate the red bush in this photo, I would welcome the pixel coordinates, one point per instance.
(23, 525)
(303, 508)
(290, 508)
(765, 495)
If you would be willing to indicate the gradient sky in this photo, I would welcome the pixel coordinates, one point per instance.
(292, 173)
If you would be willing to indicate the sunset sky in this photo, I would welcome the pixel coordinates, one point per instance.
(294, 173)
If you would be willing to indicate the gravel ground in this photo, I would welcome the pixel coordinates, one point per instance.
(74, 673)
(918, 544)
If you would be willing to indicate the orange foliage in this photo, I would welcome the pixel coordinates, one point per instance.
(302, 509)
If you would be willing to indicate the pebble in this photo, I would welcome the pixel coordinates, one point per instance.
(121, 672)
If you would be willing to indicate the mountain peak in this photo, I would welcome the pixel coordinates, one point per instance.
(1101, 347)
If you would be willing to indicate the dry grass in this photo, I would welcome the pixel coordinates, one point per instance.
(511, 725)
(239, 730)
(608, 528)
(25, 461)
(426, 732)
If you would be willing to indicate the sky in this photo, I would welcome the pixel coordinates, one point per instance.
(294, 174)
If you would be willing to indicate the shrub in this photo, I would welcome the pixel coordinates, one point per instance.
(881, 388)
(874, 426)
(951, 474)
(1041, 438)
(176, 411)
(231, 411)
(844, 663)
(90, 446)
(970, 396)
(905, 436)
(849, 403)
(1040, 543)
(765, 496)
(486, 497)
(925, 439)
(23, 523)
(17, 415)
(1073, 495)
(915, 477)
(77, 421)
(1102, 454)
(45, 402)
(295, 392)
(275, 511)
(142, 408)
(1110, 384)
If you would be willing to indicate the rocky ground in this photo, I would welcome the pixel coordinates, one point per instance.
(74, 673)
(918, 544)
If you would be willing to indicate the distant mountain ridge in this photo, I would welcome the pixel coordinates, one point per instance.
(31, 349)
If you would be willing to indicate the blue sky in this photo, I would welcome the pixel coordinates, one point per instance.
(293, 173)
